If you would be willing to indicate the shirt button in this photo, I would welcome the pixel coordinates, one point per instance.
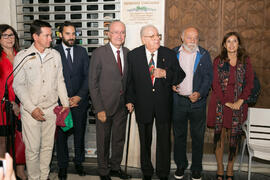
(44, 96)
(153, 90)
(43, 81)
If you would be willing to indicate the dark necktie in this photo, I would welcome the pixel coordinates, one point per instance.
(151, 66)
(69, 59)
(119, 62)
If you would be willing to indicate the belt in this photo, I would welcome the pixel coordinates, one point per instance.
(184, 96)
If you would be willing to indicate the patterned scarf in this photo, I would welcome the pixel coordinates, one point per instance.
(237, 115)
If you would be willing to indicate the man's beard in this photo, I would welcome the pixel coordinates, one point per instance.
(69, 42)
(191, 50)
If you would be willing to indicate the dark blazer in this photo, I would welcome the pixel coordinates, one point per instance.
(147, 98)
(76, 80)
(202, 79)
(105, 81)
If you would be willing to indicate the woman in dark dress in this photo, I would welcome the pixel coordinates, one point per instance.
(232, 84)
(9, 46)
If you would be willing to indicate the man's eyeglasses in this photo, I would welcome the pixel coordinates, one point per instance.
(159, 36)
(6, 36)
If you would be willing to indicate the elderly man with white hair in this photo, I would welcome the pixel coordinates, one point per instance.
(189, 102)
(152, 72)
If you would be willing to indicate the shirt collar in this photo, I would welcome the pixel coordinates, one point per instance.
(148, 53)
(114, 49)
(65, 47)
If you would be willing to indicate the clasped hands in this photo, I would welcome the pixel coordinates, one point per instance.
(193, 97)
(236, 105)
(159, 73)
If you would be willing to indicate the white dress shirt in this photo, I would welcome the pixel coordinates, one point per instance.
(114, 49)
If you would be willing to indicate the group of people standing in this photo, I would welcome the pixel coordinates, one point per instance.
(165, 87)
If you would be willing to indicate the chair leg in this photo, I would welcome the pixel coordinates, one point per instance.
(242, 154)
(249, 166)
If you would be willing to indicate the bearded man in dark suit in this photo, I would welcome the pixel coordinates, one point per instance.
(153, 70)
(75, 63)
(107, 85)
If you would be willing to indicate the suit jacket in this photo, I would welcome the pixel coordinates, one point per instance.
(106, 84)
(149, 99)
(203, 76)
(76, 80)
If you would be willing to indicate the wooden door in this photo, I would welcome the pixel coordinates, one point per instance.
(214, 18)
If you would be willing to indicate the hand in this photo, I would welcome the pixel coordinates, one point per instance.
(238, 104)
(230, 105)
(194, 97)
(16, 108)
(130, 107)
(9, 174)
(159, 73)
(175, 88)
(73, 101)
(63, 109)
(102, 116)
(38, 115)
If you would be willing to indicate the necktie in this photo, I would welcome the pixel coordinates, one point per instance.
(69, 58)
(151, 66)
(119, 62)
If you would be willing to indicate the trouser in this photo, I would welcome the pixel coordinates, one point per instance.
(182, 113)
(38, 137)
(163, 148)
(115, 127)
(79, 116)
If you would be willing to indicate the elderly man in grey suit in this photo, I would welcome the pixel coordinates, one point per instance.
(107, 85)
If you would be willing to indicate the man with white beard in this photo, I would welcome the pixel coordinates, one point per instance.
(189, 102)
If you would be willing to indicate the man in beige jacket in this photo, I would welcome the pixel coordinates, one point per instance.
(39, 82)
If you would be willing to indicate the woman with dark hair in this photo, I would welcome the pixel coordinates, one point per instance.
(232, 84)
(9, 46)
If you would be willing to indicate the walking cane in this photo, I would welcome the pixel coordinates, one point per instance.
(127, 148)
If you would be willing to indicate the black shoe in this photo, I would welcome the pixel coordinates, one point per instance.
(119, 173)
(179, 173)
(79, 169)
(163, 178)
(105, 177)
(147, 177)
(62, 174)
(229, 177)
(196, 175)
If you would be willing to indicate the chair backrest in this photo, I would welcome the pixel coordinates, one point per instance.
(258, 126)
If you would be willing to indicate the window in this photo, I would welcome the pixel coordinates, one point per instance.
(91, 18)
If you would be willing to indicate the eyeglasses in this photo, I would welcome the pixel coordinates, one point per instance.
(159, 36)
(6, 36)
(118, 33)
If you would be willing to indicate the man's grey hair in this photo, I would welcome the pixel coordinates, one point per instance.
(109, 28)
(145, 27)
(184, 30)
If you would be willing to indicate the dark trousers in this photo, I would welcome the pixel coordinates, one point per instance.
(163, 148)
(113, 129)
(182, 112)
(79, 116)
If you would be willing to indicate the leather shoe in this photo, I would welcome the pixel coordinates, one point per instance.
(119, 173)
(147, 177)
(105, 177)
(62, 174)
(163, 178)
(79, 169)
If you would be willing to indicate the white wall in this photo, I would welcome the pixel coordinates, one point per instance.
(8, 12)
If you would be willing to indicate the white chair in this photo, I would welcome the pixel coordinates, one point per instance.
(257, 130)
